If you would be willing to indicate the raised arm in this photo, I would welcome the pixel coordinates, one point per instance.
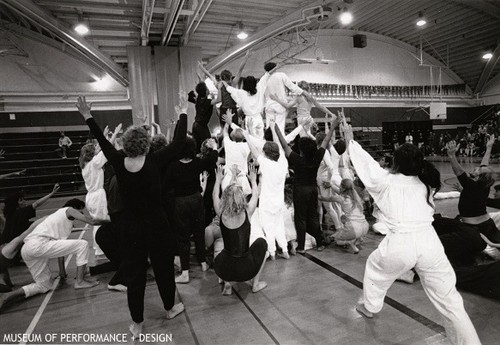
(109, 151)
(43, 200)
(253, 149)
(166, 155)
(207, 73)
(15, 173)
(487, 154)
(282, 141)
(219, 175)
(252, 204)
(367, 168)
(451, 149)
(330, 133)
(310, 98)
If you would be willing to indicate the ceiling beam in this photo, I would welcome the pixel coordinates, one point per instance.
(276, 27)
(38, 15)
(171, 21)
(487, 70)
(147, 17)
(199, 14)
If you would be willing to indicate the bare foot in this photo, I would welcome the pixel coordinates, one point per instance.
(85, 284)
(285, 256)
(204, 267)
(272, 257)
(176, 310)
(136, 330)
(259, 286)
(360, 308)
(117, 287)
(228, 289)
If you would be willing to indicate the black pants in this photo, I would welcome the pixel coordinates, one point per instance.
(144, 238)
(461, 242)
(306, 216)
(108, 237)
(190, 219)
(483, 280)
(200, 133)
(208, 202)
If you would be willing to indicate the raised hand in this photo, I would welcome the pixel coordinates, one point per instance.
(252, 173)
(235, 171)
(219, 172)
(451, 148)
(118, 129)
(106, 131)
(491, 141)
(183, 102)
(348, 134)
(56, 188)
(84, 107)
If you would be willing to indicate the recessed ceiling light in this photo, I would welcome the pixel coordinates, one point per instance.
(241, 33)
(421, 22)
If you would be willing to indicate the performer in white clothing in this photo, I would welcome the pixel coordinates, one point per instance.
(273, 168)
(276, 87)
(48, 240)
(303, 101)
(237, 152)
(92, 162)
(404, 197)
(251, 100)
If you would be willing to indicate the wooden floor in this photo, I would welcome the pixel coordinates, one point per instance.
(310, 299)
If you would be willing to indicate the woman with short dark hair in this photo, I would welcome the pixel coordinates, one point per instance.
(146, 231)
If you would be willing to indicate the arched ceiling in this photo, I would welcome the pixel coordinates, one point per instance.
(457, 32)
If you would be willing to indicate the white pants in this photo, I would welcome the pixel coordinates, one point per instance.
(36, 253)
(333, 209)
(351, 231)
(273, 226)
(97, 205)
(278, 114)
(400, 252)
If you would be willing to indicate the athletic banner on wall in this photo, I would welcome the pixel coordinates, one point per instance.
(437, 111)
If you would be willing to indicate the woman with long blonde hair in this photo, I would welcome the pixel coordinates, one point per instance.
(238, 261)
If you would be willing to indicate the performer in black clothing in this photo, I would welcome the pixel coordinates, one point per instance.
(238, 261)
(204, 109)
(144, 223)
(305, 191)
(184, 175)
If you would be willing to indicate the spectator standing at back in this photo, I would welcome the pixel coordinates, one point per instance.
(64, 144)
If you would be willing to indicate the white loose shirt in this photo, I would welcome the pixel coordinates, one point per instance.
(402, 200)
(272, 193)
(56, 226)
(277, 84)
(252, 105)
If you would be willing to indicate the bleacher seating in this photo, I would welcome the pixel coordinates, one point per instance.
(38, 154)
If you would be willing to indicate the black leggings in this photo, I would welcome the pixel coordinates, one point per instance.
(306, 216)
(142, 240)
(190, 219)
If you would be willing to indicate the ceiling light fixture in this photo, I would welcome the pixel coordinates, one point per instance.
(421, 20)
(241, 33)
(487, 55)
(81, 27)
(345, 17)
